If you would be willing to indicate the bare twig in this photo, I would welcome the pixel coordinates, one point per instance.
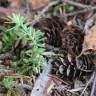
(92, 77)
(75, 3)
(42, 83)
(25, 86)
(45, 9)
(48, 7)
(81, 11)
(94, 86)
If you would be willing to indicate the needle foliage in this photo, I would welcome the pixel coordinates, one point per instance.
(19, 29)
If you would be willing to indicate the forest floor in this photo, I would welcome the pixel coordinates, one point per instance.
(47, 48)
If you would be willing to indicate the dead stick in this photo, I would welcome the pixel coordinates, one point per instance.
(81, 11)
(94, 86)
(42, 83)
(75, 3)
(90, 80)
(45, 9)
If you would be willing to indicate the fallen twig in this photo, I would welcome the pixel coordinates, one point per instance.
(42, 83)
(45, 9)
(75, 3)
(91, 79)
(81, 11)
(25, 86)
(94, 85)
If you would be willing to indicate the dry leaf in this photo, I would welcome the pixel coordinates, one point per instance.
(89, 44)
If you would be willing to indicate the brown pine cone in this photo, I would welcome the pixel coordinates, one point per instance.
(72, 39)
(52, 27)
(59, 34)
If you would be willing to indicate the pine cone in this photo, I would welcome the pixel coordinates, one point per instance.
(51, 27)
(72, 39)
(61, 35)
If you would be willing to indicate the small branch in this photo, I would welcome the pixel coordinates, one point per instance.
(94, 86)
(75, 3)
(81, 11)
(45, 9)
(24, 86)
(42, 83)
(90, 80)
(54, 49)
(48, 7)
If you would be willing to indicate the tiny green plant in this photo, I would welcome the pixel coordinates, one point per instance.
(20, 29)
(64, 7)
(7, 83)
(8, 40)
